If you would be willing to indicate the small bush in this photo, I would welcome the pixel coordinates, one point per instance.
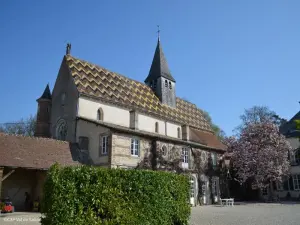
(92, 195)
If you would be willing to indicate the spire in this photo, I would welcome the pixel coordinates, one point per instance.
(47, 93)
(159, 67)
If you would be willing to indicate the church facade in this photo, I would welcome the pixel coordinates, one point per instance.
(119, 122)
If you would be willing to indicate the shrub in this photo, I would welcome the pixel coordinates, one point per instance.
(93, 195)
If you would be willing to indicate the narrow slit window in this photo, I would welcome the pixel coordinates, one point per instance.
(100, 114)
(156, 127)
(178, 132)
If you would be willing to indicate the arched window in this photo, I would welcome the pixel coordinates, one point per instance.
(164, 150)
(61, 130)
(156, 127)
(178, 132)
(170, 85)
(166, 83)
(100, 114)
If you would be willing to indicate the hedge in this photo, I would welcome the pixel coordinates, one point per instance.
(92, 195)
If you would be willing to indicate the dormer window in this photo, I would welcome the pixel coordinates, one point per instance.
(151, 84)
(166, 83)
(170, 85)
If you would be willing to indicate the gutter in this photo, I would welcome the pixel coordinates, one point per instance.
(148, 134)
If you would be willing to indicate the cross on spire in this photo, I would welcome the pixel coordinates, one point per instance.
(158, 32)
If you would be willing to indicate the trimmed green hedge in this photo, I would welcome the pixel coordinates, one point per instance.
(92, 195)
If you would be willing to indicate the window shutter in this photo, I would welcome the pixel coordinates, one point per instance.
(286, 185)
(108, 144)
(100, 146)
(291, 183)
(274, 185)
(191, 159)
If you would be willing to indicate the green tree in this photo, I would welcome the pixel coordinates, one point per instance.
(216, 129)
(24, 127)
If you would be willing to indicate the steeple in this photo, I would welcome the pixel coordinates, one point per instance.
(159, 67)
(160, 79)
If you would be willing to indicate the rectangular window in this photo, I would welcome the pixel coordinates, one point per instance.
(214, 186)
(84, 143)
(292, 157)
(185, 157)
(192, 182)
(214, 159)
(265, 191)
(135, 147)
(279, 186)
(104, 145)
(296, 182)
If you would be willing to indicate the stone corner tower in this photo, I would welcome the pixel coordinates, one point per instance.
(43, 120)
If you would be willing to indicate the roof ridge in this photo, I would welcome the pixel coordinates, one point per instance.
(108, 70)
(31, 137)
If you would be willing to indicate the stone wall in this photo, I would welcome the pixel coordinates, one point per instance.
(121, 150)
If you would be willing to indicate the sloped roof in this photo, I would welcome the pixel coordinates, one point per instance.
(206, 138)
(159, 67)
(47, 93)
(199, 139)
(95, 81)
(33, 152)
(289, 129)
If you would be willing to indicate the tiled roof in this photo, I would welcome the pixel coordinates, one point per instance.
(95, 81)
(33, 152)
(206, 138)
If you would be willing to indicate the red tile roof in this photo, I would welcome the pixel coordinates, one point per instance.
(206, 138)
(33, 152)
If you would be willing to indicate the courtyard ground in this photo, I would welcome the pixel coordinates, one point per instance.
(247, 214)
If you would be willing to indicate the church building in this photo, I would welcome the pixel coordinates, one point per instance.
(117, 122)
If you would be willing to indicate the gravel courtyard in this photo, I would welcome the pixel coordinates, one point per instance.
(249, 214)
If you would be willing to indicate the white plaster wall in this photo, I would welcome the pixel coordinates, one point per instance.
(147, 123)
(294, 142)
(172, 129)
(111, 114)
(93, 132)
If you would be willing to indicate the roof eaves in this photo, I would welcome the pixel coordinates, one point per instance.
(148, 134)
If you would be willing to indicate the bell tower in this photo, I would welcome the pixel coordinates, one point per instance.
(42, 128)
(160, 79)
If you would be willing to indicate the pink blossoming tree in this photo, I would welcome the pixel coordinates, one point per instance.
(259, 154)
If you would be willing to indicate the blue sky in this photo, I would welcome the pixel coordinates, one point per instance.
(225, 55)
